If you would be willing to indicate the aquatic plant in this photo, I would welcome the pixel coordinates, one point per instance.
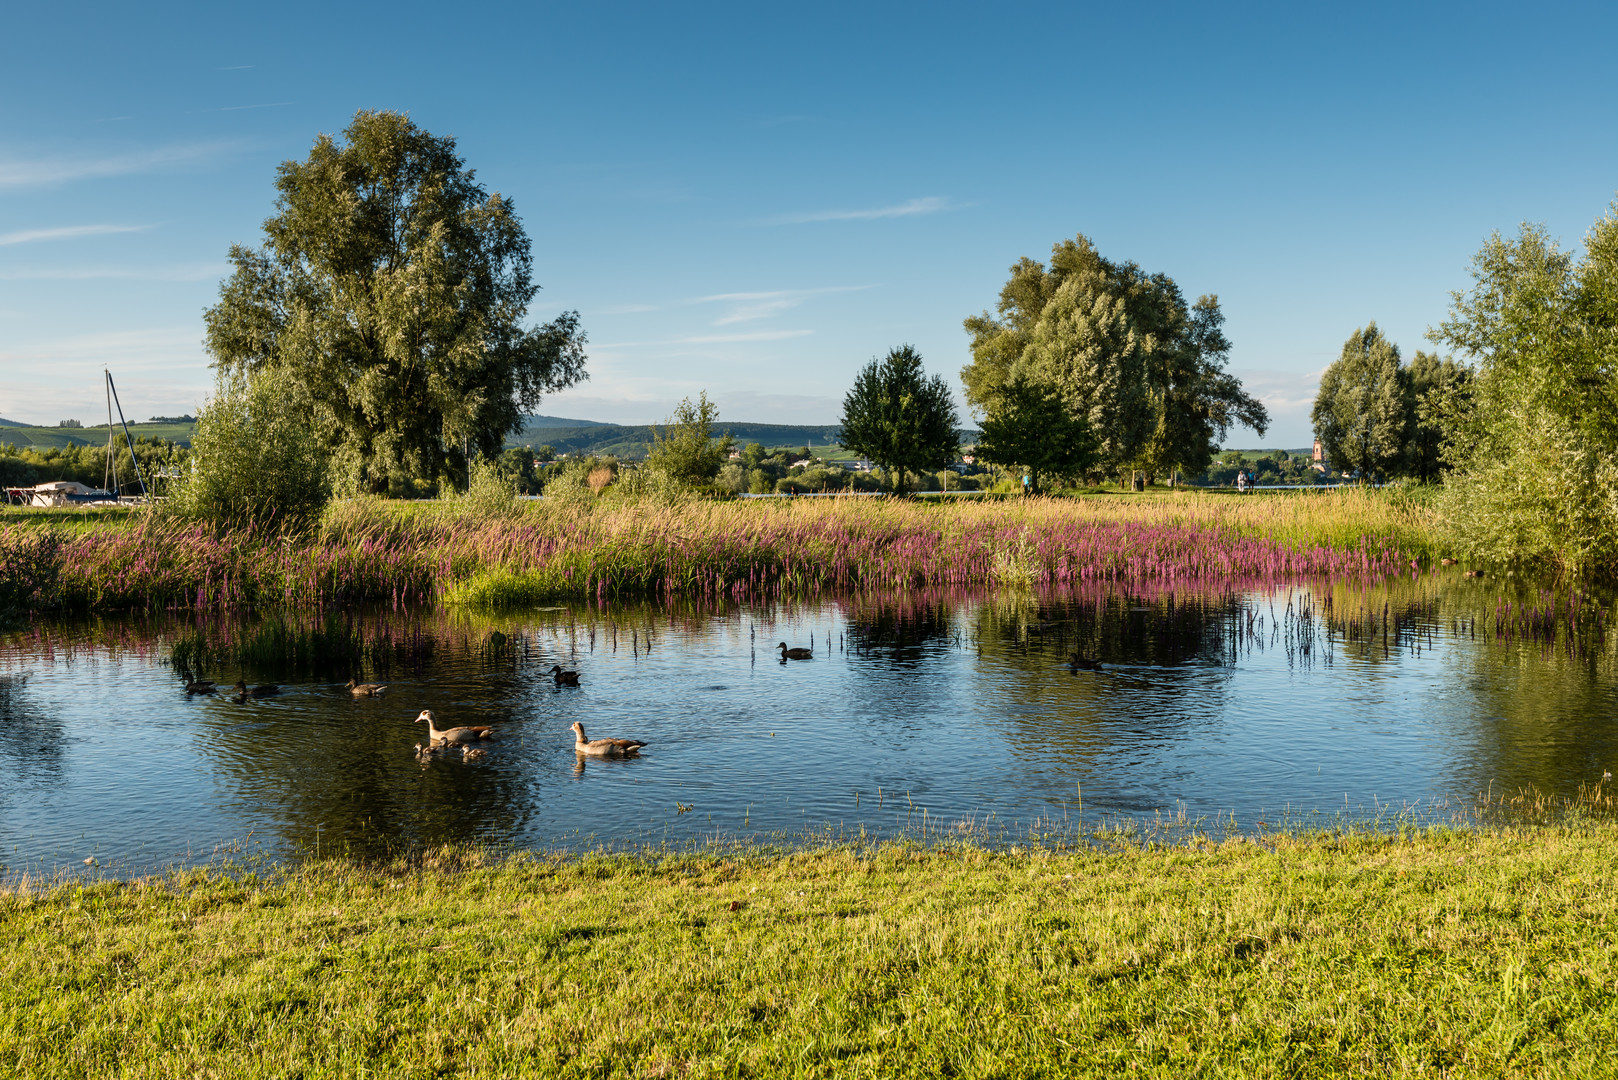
(407, 555)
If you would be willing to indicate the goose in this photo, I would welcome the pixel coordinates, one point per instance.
(603, 747)
(563, 678)
(795, 654)
(199, 687)
(366, 689)
(1075, 662)
(458, 736)
(266, 690)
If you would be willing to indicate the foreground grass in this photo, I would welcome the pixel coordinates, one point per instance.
(1443, 952)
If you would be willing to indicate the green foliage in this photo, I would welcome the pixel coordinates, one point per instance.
(899, 418)
(1363, 410)
(491, 492)
(685, 450)
(1124, 353)
(1031, 426)
(391, 290)
(254, 457)
(1442, 391)
(1535, 474)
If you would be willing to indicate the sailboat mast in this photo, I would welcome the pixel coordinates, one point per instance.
(112, 460)
(113, 390)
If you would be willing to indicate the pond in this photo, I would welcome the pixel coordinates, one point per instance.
(931, 713)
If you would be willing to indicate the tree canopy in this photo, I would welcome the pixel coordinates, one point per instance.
(1122, 351)
(1535, 454)
(392, 288)
(685, 450)
(1363, 409)
(899, 418)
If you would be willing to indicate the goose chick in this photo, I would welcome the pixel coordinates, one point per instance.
(603, 747)
(459, 736)
(366, 689)
(472, 753)
(563, 678)
(795, 654)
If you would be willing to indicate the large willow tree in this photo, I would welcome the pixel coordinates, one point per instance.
(1132, 362)
(392, 289)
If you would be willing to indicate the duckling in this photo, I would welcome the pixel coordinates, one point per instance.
(472, 753)
(199, 687)
(457, 736)
(1077, 663)
(563, 678)
(603, 747)
(366, 689)
(794, 654)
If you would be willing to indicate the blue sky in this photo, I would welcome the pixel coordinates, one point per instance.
(754, 199)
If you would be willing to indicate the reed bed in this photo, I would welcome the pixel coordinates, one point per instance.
(411, 554)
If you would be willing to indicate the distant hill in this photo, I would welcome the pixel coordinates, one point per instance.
(43, 438)
(8, 423)
(536, 422)
(633, 440)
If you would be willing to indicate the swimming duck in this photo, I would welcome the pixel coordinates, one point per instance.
(563, 678)
(795, 654)
(603, 747)
(1075, 662)
(458, 736)
(199, 687)
(366, 689)
(265, 690)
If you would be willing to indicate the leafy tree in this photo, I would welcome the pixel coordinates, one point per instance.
(1123, 350)
(391, 290)
(1535, 456)
(254, 457)
(899, 418)
(686, 450)
(1442, 392)
(1363, 410)
(1032, 427)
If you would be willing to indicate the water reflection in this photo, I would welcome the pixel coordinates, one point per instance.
(942, 705)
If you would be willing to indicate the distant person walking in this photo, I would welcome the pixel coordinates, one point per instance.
(1241, 481)
(1027, 483)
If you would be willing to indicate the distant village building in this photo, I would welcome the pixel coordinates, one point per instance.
(1320, 464)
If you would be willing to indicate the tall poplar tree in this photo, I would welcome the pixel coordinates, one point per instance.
(392, 288)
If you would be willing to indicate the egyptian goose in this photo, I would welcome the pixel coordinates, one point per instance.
(603, 747)
(366, 689)
(458, 736)
(795, 654)
(563, 678)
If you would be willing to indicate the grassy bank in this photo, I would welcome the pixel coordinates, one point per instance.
(1442, 952)
(414, 553)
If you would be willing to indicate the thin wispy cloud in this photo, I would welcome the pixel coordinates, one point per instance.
(42, 172)
(66, 232)
(931, 204)
(751, 306)
(265, 105)
(709, 339)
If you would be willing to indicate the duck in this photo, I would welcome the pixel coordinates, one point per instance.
(1446, 561)
(264, 690)
(795, 654)
(458, 736)
(199, 687)
(366, 689)
(563, 678)
(603, 747)
(1075, 662)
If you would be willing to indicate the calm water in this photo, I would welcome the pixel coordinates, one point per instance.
(938, 709)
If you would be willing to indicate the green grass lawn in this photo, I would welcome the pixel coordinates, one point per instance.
(1444, 952)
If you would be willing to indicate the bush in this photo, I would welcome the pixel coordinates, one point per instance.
(254, 456)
